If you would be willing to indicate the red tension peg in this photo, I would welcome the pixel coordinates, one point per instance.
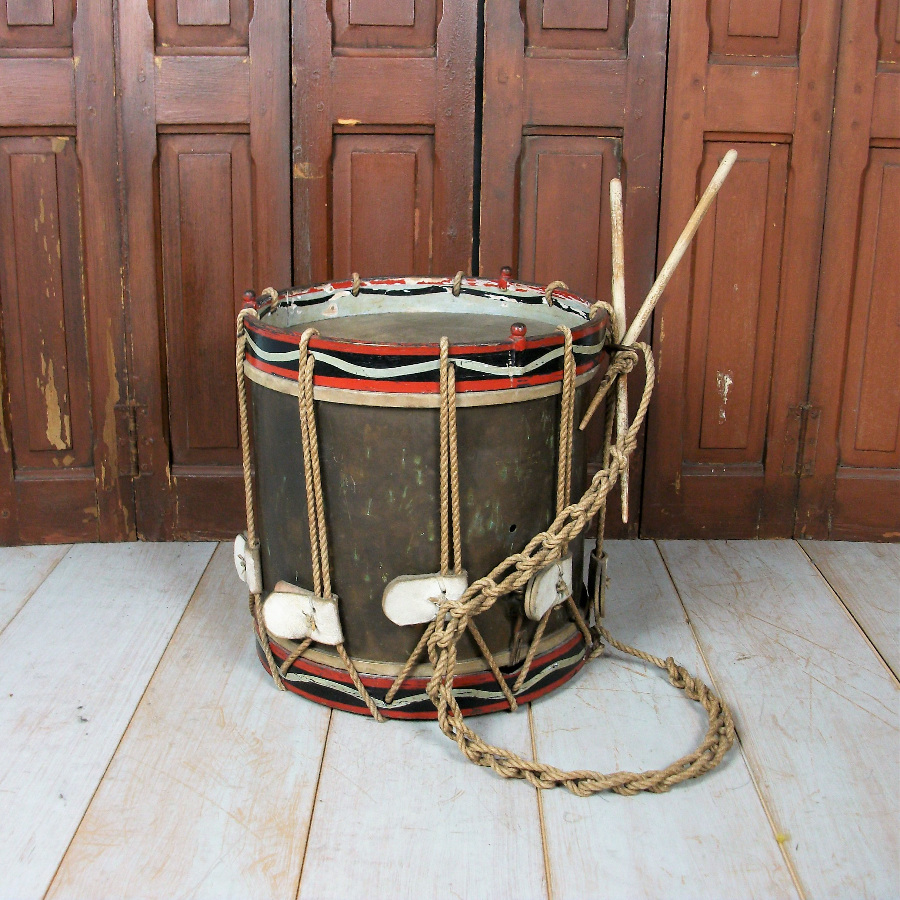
(249, 300)
(517, 335)
(503, 280)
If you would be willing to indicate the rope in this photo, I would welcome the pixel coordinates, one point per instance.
(566, 420)
(408, 665)
(529, 657)
(449, 465)
(293, 657)
(457, 283)
(512, 574)
(357, 682)
(489, 657)
(356, 284)
(548, 291)
(255, 599)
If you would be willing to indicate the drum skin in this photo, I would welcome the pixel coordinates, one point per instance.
(380, 473)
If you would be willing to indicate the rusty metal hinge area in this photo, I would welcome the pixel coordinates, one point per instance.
(127, 428)
(801, 439)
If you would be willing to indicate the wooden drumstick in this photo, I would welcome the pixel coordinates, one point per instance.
(621, 323)
(678, 251)
(681, 245)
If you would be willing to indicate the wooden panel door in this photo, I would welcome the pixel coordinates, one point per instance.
(383, 142)
(733, 332)
(573, 96)
(65, 472)
(851, 486)
(205, 102)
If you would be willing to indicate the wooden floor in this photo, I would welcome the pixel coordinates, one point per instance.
(145, 753)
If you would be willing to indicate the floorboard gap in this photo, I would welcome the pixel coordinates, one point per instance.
(894, 675)
(776, 834)
(137, 706)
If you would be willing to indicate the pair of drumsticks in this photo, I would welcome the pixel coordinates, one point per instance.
(625, 337)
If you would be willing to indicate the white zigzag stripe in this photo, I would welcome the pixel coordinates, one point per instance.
(472, 365)
(465, 693)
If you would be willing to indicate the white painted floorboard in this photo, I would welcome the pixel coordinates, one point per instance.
(401, 813)
(867, 578)
(22, 569)
(816, 710)
(211, 789)
(73, 666)
(705, 838)
(224, 787)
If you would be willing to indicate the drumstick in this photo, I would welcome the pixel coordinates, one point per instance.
(618, 302)
(681, 245)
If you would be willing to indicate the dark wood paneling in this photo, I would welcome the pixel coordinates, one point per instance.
(763, 28)
(853, 487)
(64, 470)
(384, 24)
(573, 95)
(182, 24)
(207, 259)
(43, 313)
(733, 305)
(576, 24)
(383, 188)
(565, 226)
(738, 314)
(36, 26)
(206, 116)
(361, 88)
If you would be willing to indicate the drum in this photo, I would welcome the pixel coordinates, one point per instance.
(436, 427)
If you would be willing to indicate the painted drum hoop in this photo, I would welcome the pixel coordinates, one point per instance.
(507, 395)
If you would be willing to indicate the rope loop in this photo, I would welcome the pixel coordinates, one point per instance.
(457, 283)
(548, 291)
(356, 284)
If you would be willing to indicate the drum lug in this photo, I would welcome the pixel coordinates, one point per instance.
(246, 561)
(294, 613)
(414, 599)
(549, 587)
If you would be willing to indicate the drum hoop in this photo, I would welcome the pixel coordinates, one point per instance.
(423, 670)
(417, 400)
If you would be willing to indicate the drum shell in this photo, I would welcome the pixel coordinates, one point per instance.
(381, 485)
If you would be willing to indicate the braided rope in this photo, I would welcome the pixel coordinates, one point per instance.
(255, 599)
(357, 683)
(548, 291)
(512, 574)
(356, 284)
(532, 650)
(492, 664)
(457, 283)
(315, 500)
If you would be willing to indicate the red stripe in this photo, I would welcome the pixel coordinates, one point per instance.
(387, 712)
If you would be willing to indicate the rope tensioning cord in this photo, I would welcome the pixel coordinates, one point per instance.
(454, 618)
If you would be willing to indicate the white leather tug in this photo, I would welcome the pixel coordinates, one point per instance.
(295, 613)
(414, 599)
(246, 561)
(548, 587)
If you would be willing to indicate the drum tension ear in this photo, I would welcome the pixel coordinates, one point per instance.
(246, 561)
(295, 613)
(414, 599)
(597, 581)
(548, 587)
